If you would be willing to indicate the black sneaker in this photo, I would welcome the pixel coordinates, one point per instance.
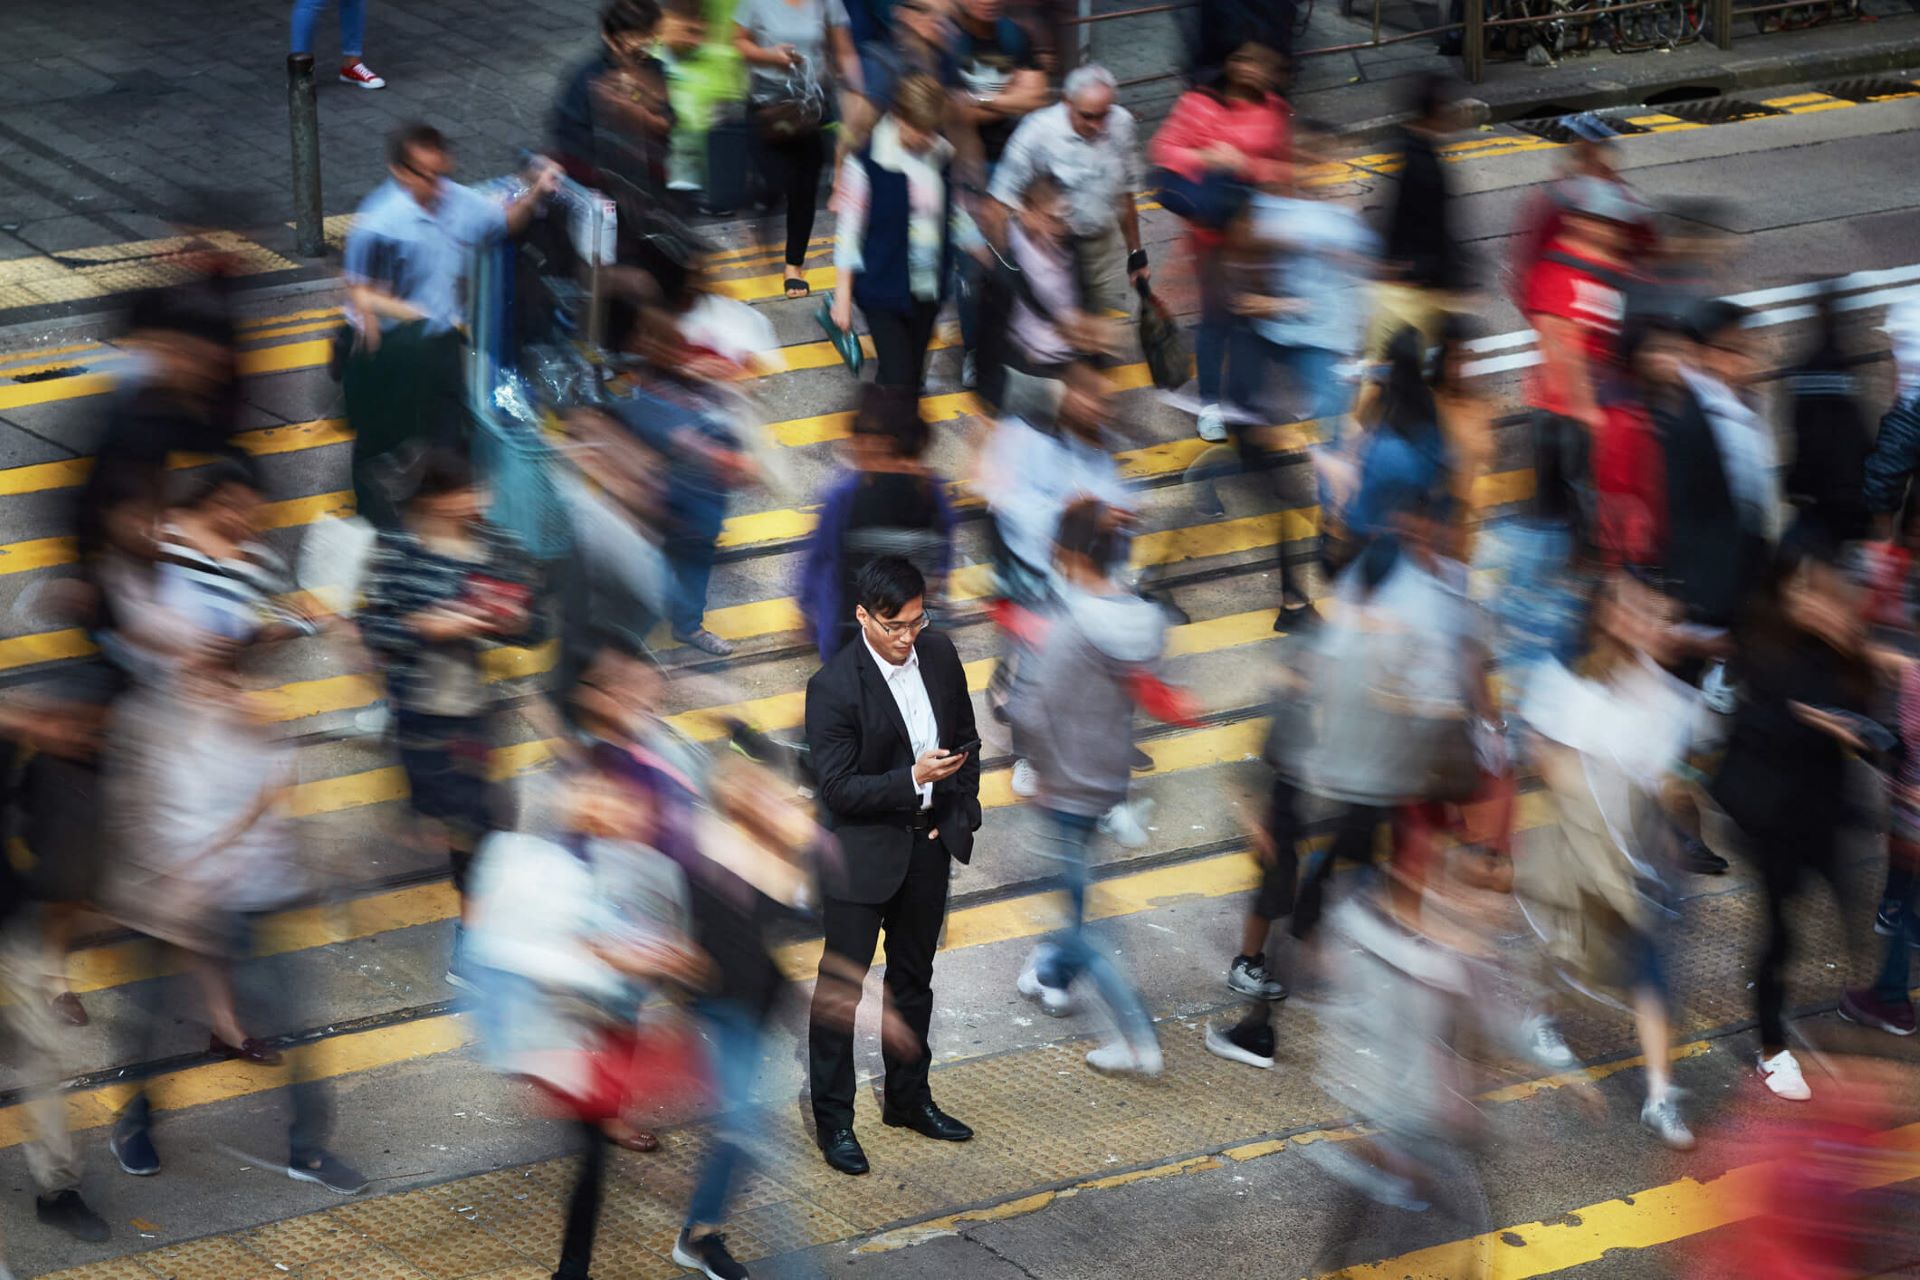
(132, 1146)
(324, 1170)
(1886, 921)
(69, 1213)
(1251, 1043)
(708, 1255)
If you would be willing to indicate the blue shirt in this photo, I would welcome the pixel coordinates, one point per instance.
(1319, 264)
(420, 256)
(1394, 470)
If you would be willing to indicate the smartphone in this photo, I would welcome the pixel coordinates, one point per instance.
(971, 747)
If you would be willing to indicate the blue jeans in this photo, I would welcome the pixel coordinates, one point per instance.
(690, 551)
(1212, 202)
(733, 1057)
(1213, 334)
(1288, 383)
(1068, 954)
(353, 25)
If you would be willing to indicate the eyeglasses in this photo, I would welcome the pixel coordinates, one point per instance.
(1092, 117)
(905, 626)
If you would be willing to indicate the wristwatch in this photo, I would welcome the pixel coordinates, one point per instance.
(1137, 260)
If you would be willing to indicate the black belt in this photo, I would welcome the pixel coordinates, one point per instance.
(920, 820)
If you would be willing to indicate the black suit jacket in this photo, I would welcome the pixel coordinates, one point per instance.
(863, 764)
(1711, 562)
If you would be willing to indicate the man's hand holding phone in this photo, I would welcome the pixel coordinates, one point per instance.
(939, 763)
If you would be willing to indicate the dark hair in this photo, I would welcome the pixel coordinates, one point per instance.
(1641, 328)
(408, 137)
(198, 487)
(441, 470)
(1086, 529)
(1456, 330)
(624, 16)
(892, 413)
(1428, 94)
(885, 584)
(1714, 317)
(1406, 401)
(194, 312)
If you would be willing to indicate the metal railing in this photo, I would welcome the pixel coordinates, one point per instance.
(1719, 17)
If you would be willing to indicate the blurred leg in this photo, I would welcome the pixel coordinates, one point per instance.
(1211, 335)
(734, 1050)
(583, 1207)
(892, 348)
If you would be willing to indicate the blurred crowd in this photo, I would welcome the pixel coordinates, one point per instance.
(1690, 629)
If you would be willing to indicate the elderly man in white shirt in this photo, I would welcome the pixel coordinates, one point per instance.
(1090, 144)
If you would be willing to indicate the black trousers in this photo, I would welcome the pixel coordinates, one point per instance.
(900, 342)
(912, 918)
(1352, 842)
(793, 169)
(583, 1208)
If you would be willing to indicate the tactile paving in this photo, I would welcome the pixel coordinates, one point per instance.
(1043, 1119)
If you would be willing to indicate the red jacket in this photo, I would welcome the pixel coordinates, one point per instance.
(1258, 130)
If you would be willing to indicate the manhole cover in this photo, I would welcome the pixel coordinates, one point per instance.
(1719, 110)
(1870, 89)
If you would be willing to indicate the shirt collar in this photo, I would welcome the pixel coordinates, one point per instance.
(887, 670)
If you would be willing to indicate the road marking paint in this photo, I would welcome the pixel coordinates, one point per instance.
(1013, 919)
(1641, 1220)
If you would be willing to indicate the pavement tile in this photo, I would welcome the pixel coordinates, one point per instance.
(455, 1252)
(214, 1258)
(305, 1242)
(369, 1264)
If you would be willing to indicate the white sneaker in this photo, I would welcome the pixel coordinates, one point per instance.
(1055, 1002)
(1026, 783)
(1663, 1118)
(1120, 1058)
(1221, 1045)
(1212, 424)
(1782, 1074)
(1126, 822)
(1546, 1045)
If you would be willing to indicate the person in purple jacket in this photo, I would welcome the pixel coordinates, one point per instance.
(888, 504)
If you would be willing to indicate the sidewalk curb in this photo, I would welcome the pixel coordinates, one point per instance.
(1734, 75)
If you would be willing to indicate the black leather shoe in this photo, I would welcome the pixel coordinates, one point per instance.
(843, 1152)
(929, 1121)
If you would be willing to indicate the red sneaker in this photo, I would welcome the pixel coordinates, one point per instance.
(358, 72)
(1862, 1007)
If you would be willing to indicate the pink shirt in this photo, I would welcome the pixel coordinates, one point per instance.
(1258, 130)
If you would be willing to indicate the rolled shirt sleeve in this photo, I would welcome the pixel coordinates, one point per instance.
(850, 213)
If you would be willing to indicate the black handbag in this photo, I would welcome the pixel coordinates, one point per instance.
(1162, 343)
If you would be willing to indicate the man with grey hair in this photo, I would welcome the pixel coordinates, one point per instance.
(1090, 143)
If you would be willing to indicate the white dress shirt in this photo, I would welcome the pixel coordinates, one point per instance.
(1094, 173)
(909, 692)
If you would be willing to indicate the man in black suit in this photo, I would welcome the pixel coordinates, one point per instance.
(902, 805)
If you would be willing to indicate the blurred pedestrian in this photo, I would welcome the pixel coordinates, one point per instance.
(580, 936)
(897, 758)
(671, 408)
(1030, 470)
(1591, 154)
(1041, 326)
(1091, 146)
(618, 92)
(1423, 264)
(406, 265)
(894, 236)
(793, 49)
(1827, 424)
(1610, 737)
(1807, 685)
(443, 588)
(889, 503)
(1887, 1003)
(1073, 708)
(1221, 142)
(35, 1027)
(915, 42)
(353, 36)
(193, 787)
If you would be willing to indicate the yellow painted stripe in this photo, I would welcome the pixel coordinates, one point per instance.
(98, 968)
(219, 1082)
(8, 361)
(46, 646)
(249, 326)
(1643, 1220)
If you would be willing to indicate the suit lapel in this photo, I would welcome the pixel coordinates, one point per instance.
(876, 686)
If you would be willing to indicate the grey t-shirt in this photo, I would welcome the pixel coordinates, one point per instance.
(772, 23)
